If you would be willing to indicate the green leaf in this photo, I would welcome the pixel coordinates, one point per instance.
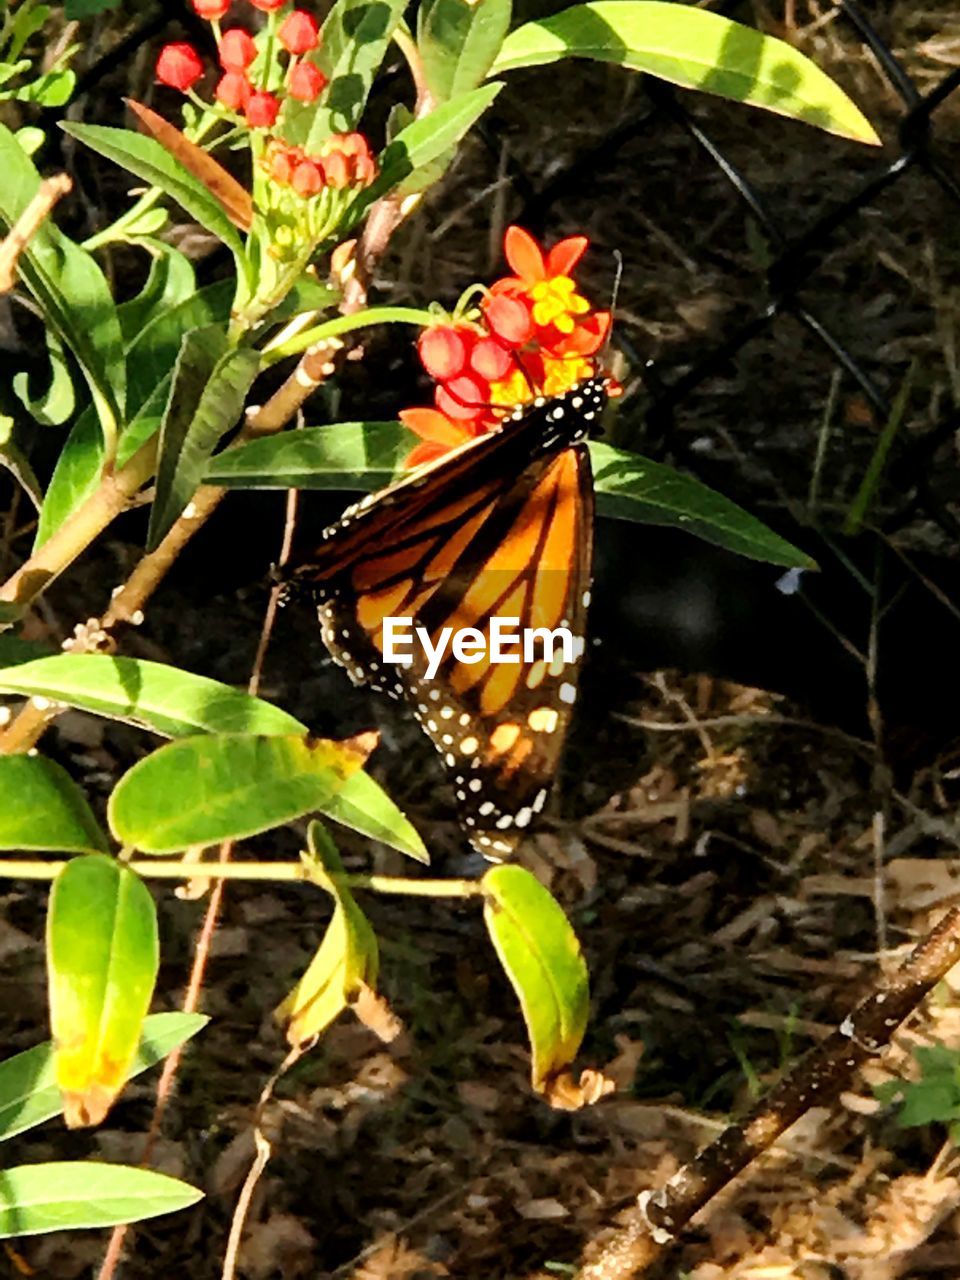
(150, 694)
(41, 807)
(630, 487)
(347, 960)
(102, 959)
(210, 384)
(57, 403)
(150, 357)
(222, 787)
(363, 806)
(172, 280)
(69, 286)
(542, 958)
(16, 462)
(369, 455)
(31, 139)
(29, 1094)
(695, 48)
(458, 41)
(347, 455)
(14, 649)
(68, 1194)
(53, 89)
(147, 159)
(423, 142)
(355, 37)
(28, 20)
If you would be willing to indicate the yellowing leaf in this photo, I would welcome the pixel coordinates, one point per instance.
(542, 958)
(102, 957)
(344, 970)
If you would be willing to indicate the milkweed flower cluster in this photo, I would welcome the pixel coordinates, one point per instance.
(265, 78)
(532, 334)
(240, 90)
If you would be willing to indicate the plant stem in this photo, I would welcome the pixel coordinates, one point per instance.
(279, 872)
(816, 1080)
(345, 324)
(79, 529)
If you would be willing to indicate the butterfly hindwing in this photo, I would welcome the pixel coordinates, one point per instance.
(499, 529)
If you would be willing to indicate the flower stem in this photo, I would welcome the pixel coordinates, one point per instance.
(345, 324)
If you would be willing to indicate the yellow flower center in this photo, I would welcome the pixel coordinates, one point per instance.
(512, 390)
(556, 302)
(560, 375)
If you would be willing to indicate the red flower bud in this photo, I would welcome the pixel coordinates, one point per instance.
(442, 351)
(307, 179)
(237, 50)
(179, 66)
(490, 360)
(262, 110)
(212, 10)
(234, 91)
(461, 399)
(306, 82)
(299, 32)
(280, 161)
(268, 6)
(509, 319)
(336, 170)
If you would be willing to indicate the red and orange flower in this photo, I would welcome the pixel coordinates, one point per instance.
(534, 334)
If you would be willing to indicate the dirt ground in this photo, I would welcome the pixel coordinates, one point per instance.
(756, 816)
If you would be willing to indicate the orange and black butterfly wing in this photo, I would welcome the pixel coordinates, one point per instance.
(500, 727)
(501, 528)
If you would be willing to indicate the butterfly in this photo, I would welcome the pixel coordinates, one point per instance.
(502, 526)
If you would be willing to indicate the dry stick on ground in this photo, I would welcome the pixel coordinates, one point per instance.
(816, 1080)
(48, 193)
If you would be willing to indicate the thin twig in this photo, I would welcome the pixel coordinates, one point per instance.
(202, 954)
(817, 1080)
(26, 226)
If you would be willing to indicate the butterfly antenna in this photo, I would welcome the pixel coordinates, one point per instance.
(614, 294)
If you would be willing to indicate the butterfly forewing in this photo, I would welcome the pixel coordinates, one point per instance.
(500, 529)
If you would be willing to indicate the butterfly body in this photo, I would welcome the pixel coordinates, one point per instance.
(500, 528)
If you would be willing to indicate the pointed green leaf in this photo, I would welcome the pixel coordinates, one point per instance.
(69, 286)
(347, 960)
(29, 1094)
(693, 47)
(421, 143)
(171, 282)
(347, 455)
(42, 808)
(355, 37)
(102, 959)
(369, 455)
(630, 487)
(52, 89)
(542, 958)
(150, 356)
(54, 405)
(150, 161)
(363, 806)
(210, 384)
(458, 41)
(68, 1194)
(224, 787)
(150, 694)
